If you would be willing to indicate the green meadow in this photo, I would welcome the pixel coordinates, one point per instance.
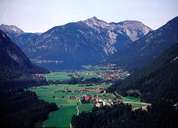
(68, 75)
(67, 106)
(66, 97)
(58, 76)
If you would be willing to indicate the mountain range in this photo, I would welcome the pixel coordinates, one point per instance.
(78, 43)
(130, 44)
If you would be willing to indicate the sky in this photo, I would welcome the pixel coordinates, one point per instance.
(41, 15)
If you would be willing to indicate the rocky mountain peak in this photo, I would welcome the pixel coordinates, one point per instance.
(134, 29)
(95, 23)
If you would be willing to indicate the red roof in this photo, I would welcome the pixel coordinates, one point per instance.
(86, 98)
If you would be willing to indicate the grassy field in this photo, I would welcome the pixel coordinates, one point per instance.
(61, 118)
(58, 76)
(68, 106)
(66, 96)
(134, 101)
(57, 94)
(67, 75)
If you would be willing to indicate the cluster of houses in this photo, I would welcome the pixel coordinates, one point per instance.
(99, 101)
(110, 75)
(114, 74)
(95, 100)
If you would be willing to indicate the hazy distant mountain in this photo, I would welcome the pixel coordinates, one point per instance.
(13, 62)
(146, 49)
(79, 43)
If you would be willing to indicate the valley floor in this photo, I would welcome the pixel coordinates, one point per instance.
(73, 99)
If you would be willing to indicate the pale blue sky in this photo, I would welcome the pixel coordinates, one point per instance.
(41, 15)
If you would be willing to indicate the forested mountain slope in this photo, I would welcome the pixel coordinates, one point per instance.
(13, 62)
(157, 81)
